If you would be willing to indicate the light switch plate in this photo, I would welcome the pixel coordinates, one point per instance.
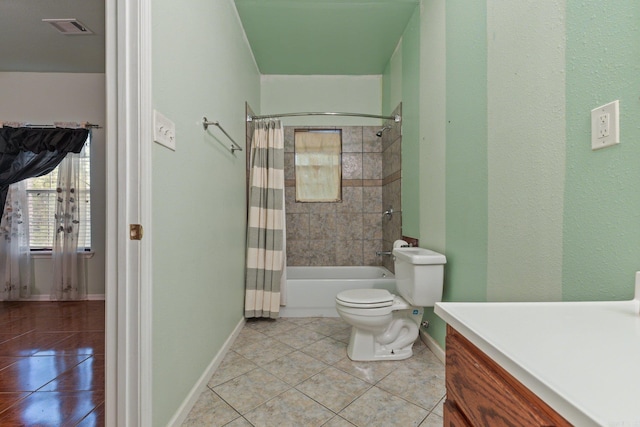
(605, 125)
(164, 131)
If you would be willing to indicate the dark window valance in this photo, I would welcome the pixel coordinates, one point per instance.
(29, 152)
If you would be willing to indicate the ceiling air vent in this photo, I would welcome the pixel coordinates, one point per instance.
(70, 27)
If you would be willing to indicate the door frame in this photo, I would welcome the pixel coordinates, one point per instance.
(128, 320)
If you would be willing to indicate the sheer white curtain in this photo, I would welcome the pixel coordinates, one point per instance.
(69, 273)
(15, 253)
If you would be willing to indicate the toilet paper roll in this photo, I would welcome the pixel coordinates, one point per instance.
(400, 243)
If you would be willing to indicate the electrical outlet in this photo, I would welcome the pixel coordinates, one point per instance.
(605, 126)
(164, 131)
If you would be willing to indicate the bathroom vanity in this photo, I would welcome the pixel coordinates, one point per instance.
(542, 364)
(480, 392)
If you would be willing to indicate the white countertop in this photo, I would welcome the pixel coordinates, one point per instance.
(581, 358)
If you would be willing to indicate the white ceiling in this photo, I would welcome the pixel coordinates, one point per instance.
(354, 37)
(27, 44)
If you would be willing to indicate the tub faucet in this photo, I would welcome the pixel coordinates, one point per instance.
(388, 213)
(380, 253)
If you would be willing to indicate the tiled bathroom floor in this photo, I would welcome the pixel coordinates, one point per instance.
(295, 372)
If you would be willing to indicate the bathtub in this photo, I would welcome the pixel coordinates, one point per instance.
(311, 291)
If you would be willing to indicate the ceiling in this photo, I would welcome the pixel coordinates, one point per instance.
(351, 37)
(354, 37)
(28, 44)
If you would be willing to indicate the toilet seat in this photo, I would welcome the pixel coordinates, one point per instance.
(365, 298)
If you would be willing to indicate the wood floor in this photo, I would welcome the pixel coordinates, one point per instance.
(52, 363)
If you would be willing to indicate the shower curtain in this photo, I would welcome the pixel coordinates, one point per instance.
(265, 229)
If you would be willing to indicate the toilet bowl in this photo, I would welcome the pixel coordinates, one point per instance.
(384, 326)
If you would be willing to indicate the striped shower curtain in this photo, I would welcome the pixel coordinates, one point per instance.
(265, 237)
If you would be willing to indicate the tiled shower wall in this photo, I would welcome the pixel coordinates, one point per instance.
(352, 231)
(392, 185)
(349, 232)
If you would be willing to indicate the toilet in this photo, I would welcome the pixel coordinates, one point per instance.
(384, 326)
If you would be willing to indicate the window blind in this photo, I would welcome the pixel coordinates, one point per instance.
(41, 198)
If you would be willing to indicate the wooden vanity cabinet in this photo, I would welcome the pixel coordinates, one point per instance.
(481, 393)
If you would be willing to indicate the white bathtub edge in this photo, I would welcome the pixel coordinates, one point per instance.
(313, 292)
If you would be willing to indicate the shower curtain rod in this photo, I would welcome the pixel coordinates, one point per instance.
(396, 118)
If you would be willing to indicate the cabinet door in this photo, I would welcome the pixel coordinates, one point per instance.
(453, 417)
(486, 394)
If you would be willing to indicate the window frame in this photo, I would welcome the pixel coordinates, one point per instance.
(46, 250)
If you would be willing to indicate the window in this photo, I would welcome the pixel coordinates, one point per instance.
(318, 158)
(41, 199)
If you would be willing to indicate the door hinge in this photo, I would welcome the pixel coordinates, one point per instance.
(135, 231)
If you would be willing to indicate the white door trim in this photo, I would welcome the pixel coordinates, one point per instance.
(128, 201)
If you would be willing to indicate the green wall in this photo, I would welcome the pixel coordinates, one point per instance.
(410, 127)
(460, 147)
(530, 212)
(525, 149)
(392, 82)
(465, 156)
(433, 126)
(497, 168)
(202, 66)
(293, 93)
(602, 195)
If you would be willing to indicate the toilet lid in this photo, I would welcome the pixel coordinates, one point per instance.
(365, 298)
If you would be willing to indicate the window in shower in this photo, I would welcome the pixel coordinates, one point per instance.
(318, 165)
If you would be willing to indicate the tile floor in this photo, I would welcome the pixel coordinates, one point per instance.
(295, 372)
(52, 363)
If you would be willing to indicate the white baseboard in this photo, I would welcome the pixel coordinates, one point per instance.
(432, 345)
(183, 411)
(47, 297)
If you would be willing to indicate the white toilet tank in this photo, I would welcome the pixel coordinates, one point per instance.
(419, 275)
